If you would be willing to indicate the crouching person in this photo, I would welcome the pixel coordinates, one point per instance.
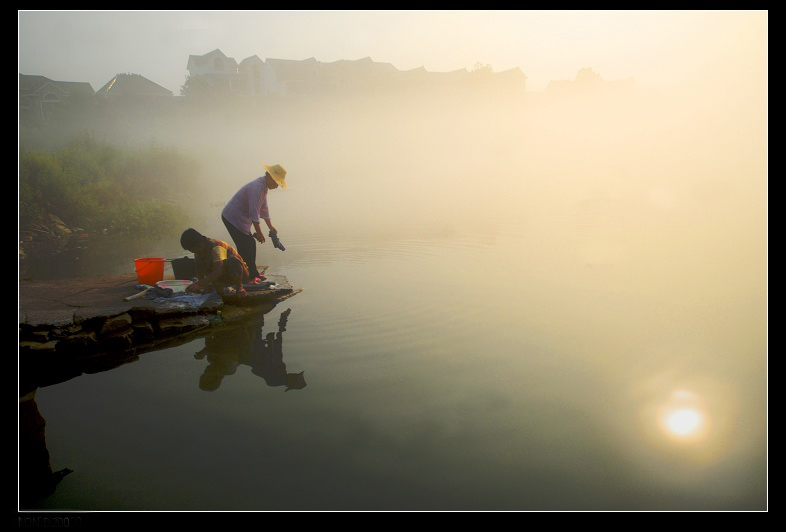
(218, 265)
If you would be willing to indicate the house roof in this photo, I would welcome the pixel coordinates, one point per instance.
(252, 59)
(512, 72)
(305, 69)
(199, 60)
(452, 74)
(133, 84)
(31, 84)
(416, 71)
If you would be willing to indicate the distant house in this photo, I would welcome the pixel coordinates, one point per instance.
(296, 78)
(217, 70)
(255, 77)
(513, 79)
(358, 75)
(309, 77)
(132, 87)
(213, 63)
(40, 97)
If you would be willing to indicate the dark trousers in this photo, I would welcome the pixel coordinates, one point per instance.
(245, 245)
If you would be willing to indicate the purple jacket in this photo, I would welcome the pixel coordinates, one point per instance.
(248, 205)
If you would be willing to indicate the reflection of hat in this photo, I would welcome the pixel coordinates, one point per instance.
(209, 381)
(295, 381)
(278, 174)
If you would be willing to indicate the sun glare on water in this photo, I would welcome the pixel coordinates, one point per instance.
(689, 426)
(682, 417)
(684, 422)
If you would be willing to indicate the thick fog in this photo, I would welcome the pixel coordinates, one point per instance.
(426, 163)
(629, 220)
(689, 136)
(607, 172)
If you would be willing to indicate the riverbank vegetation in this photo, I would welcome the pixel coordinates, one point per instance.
(90, 186)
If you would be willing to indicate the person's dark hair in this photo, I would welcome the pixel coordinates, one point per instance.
(191, 239)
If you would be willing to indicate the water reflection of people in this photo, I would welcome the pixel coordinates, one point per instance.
(37, 480)
(267, 359)
(246, 345)
(222, 361)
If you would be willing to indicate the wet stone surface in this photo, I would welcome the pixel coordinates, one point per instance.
(82, 325)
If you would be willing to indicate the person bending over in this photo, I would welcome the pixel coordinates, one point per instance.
(218, 265)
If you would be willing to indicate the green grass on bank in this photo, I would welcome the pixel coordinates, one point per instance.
(97, 187)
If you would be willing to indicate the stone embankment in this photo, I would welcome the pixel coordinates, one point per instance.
(73, 326)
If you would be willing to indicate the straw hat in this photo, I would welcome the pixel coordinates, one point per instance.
(278, 174)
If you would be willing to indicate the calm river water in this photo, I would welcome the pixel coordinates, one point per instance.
(586, 345)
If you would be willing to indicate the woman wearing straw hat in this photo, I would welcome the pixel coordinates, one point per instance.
(246, 208)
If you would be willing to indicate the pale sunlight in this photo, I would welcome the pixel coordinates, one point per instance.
(684, 424)
(683, 418)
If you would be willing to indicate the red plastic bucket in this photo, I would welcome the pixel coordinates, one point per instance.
(149, 270)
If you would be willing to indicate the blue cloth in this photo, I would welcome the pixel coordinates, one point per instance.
(189, 300)
(276, 242)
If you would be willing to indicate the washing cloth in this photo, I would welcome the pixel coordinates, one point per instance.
(185, 300)
(276, 242)
(157, 291)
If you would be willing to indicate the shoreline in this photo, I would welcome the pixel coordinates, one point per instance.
(73, 326)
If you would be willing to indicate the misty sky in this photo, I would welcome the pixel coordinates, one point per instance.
(659, 49)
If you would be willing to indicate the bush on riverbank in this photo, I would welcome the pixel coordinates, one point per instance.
(98, 188)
